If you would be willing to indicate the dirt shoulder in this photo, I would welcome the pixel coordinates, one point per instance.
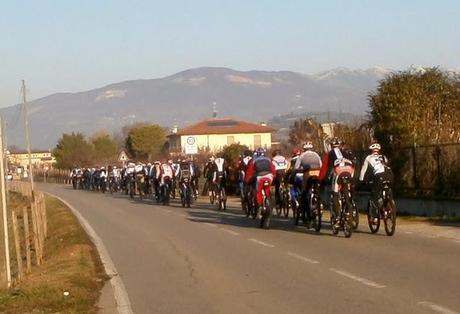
(71, 276)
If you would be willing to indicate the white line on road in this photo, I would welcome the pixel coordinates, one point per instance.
(437, 308)
(357, 278)
(261, 242)
(119, 290)
(303, 258)
(210, 224)
(230, 231)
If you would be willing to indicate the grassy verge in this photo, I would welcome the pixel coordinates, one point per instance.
(71, 276)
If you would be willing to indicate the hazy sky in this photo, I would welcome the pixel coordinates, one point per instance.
(71, 46)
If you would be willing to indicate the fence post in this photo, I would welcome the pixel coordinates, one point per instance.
(414, 167)
(35, 234)
(25, 215)
(17, 244)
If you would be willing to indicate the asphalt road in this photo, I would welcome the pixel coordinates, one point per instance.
(199, 260)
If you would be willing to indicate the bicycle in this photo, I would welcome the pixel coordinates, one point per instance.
(221, 196)
(266, 206)
(344, 221)
(386, 210)
(185, 192)
(315, 205)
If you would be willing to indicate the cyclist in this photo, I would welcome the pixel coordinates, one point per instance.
(208, 173)
(260, 168)
(280, 163)
(375, 168)
(308, 161)
(220, 171)
(295, 184)
(242, 168)
(336, 163)
(166, 178)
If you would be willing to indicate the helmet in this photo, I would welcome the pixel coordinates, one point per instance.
(260, 152)
(307, 145)
(247, 153)
(335, 142)
(375, 146)
(295, 152)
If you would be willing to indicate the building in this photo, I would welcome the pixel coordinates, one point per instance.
(214, 134)
(39, 159)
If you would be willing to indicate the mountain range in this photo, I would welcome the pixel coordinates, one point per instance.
(189, 96)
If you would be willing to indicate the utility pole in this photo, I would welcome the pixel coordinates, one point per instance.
(5, 149)
(27, 131)
(4, 211)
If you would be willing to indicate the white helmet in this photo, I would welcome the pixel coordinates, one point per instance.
(375, 146)
(307, 145)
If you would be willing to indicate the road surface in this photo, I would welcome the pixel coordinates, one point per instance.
(199, 260)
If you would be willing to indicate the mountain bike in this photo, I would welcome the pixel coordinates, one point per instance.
(315, 205)
(266, 206)
(221, 196)
(185, 192)
(344, 221)
(385, 210)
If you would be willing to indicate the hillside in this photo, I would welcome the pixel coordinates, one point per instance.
(187, 97)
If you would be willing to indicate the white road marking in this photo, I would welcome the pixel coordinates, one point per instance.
(357, 278)
(437, 308)
(303, 258)
(261, 243)
(210, 224)
(230, 231)
(119, 290)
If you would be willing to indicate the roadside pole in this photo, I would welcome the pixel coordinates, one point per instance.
(4, 210)
(27, 131)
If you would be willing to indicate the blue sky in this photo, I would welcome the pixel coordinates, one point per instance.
(59, 46)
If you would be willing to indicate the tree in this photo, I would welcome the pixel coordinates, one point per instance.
(105, 148)
(306, 130)
(73, 150)
(145, 141)
(417, 107)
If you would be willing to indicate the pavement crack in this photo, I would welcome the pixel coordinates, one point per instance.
(185, 257)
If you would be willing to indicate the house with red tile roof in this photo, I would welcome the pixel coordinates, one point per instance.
(214, 134)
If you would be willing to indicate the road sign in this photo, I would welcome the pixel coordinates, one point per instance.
(191, 145)
(123, 156)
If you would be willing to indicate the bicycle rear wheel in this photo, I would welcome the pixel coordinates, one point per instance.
(389, 217)
(373, 222)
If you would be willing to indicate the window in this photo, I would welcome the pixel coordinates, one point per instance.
(230, 140)
(257, 141)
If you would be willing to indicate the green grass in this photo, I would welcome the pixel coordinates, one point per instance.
(71, 264)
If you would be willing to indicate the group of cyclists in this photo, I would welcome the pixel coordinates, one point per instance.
(296, 182)
(160, 180)
(297, 185)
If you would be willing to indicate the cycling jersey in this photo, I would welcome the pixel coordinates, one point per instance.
(280, 162)
(375, 163)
